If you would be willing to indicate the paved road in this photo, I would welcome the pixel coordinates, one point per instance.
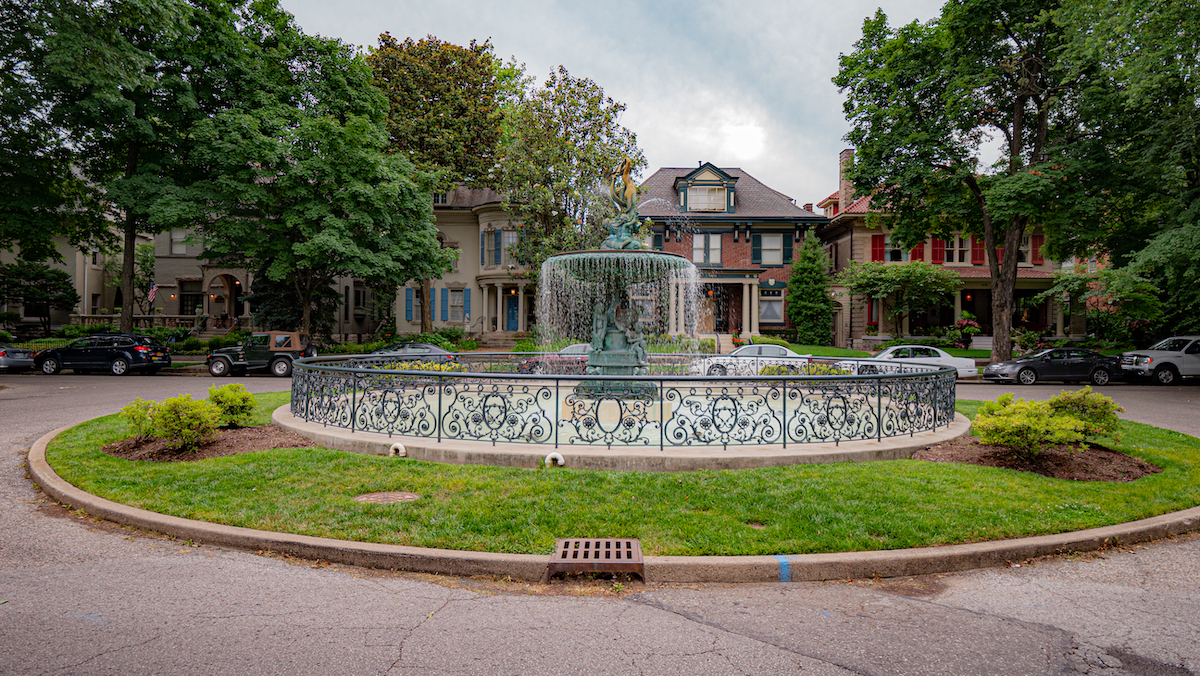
(81, 597)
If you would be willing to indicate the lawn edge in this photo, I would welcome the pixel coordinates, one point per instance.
(532, 567)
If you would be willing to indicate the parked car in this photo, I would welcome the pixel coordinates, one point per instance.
(911, 354)
(14, 358)
(1070, 364)
(118, 353)
(572, 359)
(750, 360)
(1166, 361)
(272, 350)
(417, 352)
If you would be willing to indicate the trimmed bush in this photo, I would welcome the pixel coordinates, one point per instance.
(1097, 412)
(185, 423)
(1025, 427)
(235, 403)
(807, 370)
(468, 344)
(139, 415)
(770, 340)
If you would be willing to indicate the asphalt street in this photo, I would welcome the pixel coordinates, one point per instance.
(83, 597)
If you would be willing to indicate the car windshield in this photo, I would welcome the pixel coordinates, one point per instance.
(580, 348)
(1043, 353)
(1171, 345)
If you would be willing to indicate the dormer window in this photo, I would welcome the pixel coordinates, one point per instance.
(706, 198)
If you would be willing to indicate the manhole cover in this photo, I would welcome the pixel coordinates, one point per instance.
(388, 498)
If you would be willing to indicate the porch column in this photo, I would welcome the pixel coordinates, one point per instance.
(499, 307)
(1058, 320)
(754, 307)
(904, 326)
(521, 308)
(745, 307)
(672, 307)
(957, 305)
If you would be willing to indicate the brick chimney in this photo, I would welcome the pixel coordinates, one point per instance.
(845, 187)
(808, 207)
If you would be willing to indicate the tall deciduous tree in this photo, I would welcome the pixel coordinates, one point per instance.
(39, 288)
(443, 113)
(809, 305)
(563, 140)
(922, 98)
(901, 288)
(301, 176)
(143, 277)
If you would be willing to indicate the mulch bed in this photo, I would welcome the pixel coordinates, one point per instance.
(225, 442)
(1091, 462)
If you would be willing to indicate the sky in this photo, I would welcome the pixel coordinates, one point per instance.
(739, 84)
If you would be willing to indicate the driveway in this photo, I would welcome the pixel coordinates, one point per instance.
(82, 597)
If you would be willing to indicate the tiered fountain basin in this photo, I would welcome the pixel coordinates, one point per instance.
(493, 415)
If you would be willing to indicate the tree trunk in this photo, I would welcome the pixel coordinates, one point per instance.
(1004, 283)
(427, 313)
(306, 309)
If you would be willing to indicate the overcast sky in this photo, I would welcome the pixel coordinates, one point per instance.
(739, 84)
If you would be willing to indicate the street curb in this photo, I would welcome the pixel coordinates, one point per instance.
(727, 569)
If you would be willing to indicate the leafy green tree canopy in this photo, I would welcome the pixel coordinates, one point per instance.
(39, 288)
(143, 276)
(902, 288)
(809, 305)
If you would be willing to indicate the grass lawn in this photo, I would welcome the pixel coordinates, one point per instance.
(973, 354)
(804, 508)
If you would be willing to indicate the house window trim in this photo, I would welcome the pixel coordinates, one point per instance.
(764, 249)
(711, 245)
(715, 198)
(764, 300)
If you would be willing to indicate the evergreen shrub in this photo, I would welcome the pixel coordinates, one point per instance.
(235, 403)
(184, 422)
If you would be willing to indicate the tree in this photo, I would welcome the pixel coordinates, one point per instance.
(922, 98)
(809, 305)
(277, 306)
(143, 277)
(443, 113)
(562, 142)
(38, 287)
(904, 288)
(1143, 108)
(300, 176)
(1121, 300)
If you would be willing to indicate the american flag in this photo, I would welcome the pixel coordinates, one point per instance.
(153, 290)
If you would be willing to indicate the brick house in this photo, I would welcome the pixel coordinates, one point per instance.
(739, 233)
(848, 238)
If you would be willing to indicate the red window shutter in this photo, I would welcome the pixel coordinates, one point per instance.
(877, 248)
(1036, 242)
(918, 253)
(978, 256)
(939, 251)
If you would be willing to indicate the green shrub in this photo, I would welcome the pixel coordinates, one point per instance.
(192, 344)
(235, 403)
(708, 346)
(139, 415)
(770, 340)
(943, 343)
(468, 344)
(6, 337)
(185, 423)
(452, 334)
(804, 370)
(1097, 412)
(1025, 427)
(447, 367)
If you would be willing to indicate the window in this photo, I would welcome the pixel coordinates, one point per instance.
(893, 252)
(178, 245)
(706, 249)
(772, 249)
(770, 302)
(441, 198)
(1036, 244)
(958, 250)
(283, 341)
(510, 243)
(95, 258)
(37, 309)
(704, 198)
(456, 305)
(95, 303)
(260, 340)
(489, 240)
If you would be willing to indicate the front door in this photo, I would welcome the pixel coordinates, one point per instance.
(510, 313)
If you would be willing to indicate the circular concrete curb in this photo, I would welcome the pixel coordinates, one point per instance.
(781, 568)
(621, 458)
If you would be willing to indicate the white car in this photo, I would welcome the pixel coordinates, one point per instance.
(911, 354)
(1167, 361)
(750, 360)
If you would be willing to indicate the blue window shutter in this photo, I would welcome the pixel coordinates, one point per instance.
(445, 305)
(408, 295)
(482, 248)
(499, 244)
(466, 303)
(787, 248)
(756, 248)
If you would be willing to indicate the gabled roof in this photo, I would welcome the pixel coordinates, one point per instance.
(827, 200)
(861, 205)
(706, 173)
(660, 198)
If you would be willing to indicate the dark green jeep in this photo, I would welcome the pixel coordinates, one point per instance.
(272, 350)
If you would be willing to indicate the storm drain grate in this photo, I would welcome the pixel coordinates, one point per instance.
(597, 555)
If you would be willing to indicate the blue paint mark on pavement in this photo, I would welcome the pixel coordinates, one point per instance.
(785, 573)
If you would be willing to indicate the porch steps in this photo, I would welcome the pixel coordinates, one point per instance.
(981, 343)
(498, 340)
(724, 343)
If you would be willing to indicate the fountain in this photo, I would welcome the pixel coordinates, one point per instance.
(610, 296)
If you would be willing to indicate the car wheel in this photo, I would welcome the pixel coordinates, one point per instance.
(1166, 375)
(118, 367)
(281, 367)
(51, 366)
(1027, 376)
(218, 367)
(1100, 377)
(716, 370)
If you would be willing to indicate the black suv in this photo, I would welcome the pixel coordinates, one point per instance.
(118, 353)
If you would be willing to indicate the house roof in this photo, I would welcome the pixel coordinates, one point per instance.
(985, 272)
(827, 200)
(861, 205)
(753, 199)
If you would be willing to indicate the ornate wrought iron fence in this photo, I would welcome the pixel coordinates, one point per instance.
(491, 401)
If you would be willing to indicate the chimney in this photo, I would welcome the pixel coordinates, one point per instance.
(808, 207)
(845, 187)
